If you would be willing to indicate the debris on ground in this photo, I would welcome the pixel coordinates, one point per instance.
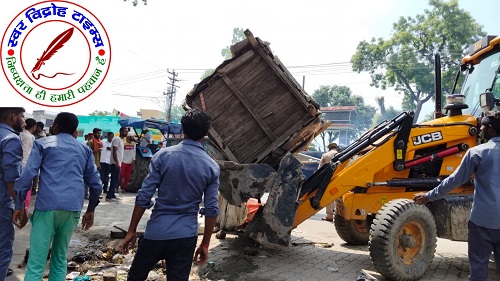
(322, 244)
(333, 268)
(365, 276)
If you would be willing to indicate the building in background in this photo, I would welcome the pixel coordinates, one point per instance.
(151, 114)
(105, 123)
(343, 119)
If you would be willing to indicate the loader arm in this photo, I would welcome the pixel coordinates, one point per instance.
(373, 150)
(369, 169)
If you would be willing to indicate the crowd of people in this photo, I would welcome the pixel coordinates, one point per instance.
(70, 171)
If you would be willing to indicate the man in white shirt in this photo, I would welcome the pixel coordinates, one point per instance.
(146, 139)
(105, 161)
(116, 163)
(128, 161)
(27, 138)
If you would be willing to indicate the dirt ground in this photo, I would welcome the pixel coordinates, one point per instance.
(95, 253)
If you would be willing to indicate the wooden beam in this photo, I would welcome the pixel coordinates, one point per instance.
(247, 105)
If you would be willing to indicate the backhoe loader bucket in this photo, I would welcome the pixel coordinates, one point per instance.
(273, 222)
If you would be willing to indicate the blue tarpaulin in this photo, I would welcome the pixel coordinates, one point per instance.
(163, 126)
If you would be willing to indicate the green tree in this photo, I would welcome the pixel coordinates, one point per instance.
(177, 112)
(238, 35)
(99, 113)
(385, 113)
(405, 61)
(342, 96)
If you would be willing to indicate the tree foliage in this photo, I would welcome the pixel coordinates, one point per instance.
(100, 113)
(405, 61)
(342, 96)
(238, 35)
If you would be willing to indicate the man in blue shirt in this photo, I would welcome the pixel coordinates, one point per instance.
(484, 224)
(183, 174)
(11, 152)
(66, 166)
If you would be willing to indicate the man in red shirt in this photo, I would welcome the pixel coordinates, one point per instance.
(128, 160)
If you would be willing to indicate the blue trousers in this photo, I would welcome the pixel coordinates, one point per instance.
(6, 240)
(115, 176)
(482, 241)
(105, 169)
(177, 253)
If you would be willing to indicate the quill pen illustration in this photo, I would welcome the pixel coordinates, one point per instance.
(53, 47)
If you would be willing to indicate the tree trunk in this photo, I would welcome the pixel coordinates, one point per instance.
(418, 108)
(381, 104)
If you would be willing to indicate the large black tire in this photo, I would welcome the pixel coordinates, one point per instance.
(403, 240)
(139, 173)
(354, 232)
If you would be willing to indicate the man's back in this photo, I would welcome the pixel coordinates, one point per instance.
(10, 162)
(184, 172)
(65, 164)
(485, 211)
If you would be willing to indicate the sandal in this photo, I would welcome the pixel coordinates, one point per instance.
(326, 219)
(9, 272)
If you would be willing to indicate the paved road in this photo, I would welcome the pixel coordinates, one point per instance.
(236, 258)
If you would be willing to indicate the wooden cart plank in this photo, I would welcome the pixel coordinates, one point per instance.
(269, 111)
(282, 118)
(242, 77)
(235, 125)
(292, 117)
(217, 139)
(248, 149)
(229, 125)
(264, 103)
(252, 68)
(214, 98)
(247, 105)
(244, 133)
(259, 87)
(221, 110)
(241, 60)
(293, 86)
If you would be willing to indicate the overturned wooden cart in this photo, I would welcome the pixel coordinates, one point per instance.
(259, 114)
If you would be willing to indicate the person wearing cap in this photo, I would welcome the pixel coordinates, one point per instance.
(484, 222)
(128, 160)
(147, 139)
(325, 158)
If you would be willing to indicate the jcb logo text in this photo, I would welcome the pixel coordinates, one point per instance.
(426, 138)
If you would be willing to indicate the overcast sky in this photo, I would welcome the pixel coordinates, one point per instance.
(187, 36)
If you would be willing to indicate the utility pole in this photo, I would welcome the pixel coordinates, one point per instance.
(170, 95)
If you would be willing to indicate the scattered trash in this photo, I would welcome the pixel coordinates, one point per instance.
(82, 278)
(81, 258)
(333, 268)
(365, 276)
(323, 244)
(72, 275)
(73, 265)
(262, 256)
